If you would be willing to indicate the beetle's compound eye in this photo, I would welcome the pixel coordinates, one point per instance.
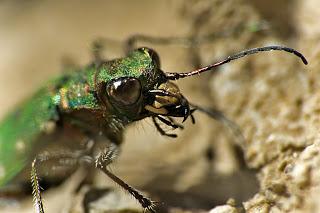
(124, 91)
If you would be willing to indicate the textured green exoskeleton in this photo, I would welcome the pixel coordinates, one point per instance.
(98, 102)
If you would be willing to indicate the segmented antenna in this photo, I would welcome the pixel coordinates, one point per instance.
(176, 76)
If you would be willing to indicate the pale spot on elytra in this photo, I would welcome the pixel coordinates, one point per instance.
(48, 127)
(20, 146)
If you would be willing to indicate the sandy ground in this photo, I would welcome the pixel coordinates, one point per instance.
(272, 97)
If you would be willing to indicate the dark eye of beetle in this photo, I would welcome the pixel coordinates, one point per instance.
(124, 91)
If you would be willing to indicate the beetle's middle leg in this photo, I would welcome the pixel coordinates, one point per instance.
(37, 199)
(64, 158)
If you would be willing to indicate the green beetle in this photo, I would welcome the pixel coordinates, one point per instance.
(96, 103)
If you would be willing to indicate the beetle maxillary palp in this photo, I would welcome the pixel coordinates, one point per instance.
(168, 101)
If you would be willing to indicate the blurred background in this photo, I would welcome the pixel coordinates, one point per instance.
(270, 96)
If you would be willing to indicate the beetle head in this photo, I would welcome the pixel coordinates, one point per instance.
(148, 92)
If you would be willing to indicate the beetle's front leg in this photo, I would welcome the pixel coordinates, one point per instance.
(103, 160)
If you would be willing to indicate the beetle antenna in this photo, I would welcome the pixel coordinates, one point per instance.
(219, 116)
(176, 76)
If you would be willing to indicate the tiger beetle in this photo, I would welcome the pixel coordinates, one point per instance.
(98, 102)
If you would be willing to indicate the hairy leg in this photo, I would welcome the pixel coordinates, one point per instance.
(64, 158)
(107, 157)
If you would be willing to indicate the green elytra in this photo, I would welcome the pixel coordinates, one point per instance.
(101, 100)
(72, 92)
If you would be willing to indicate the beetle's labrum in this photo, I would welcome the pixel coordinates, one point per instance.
(100, 99)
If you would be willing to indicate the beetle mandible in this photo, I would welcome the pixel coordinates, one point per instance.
(100, 99)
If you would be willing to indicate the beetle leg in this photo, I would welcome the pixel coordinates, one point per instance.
(191, 41)
(160, 130)
(103, 160)
(36, 188)
(97, 47)
(73, 158)
(132, 41)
